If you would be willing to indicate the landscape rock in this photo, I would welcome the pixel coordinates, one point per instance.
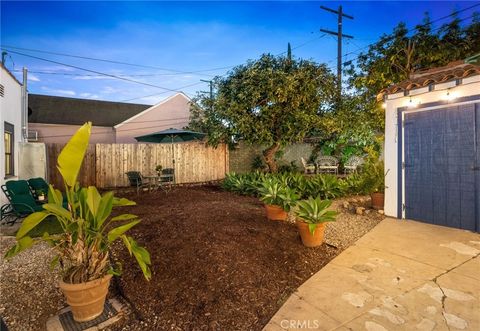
(381, 212)
(360, 210)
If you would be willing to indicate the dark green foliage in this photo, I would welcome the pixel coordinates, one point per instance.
(373, 176)
(291, 167)
(258, 164)
(272, 101)
(325, 186)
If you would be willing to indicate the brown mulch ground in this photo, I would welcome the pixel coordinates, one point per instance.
(218, 263)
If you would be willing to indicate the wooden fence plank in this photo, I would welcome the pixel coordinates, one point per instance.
(105, 164)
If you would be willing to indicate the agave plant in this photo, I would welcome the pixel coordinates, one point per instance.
(87, 229)
(274, 193)
(327, 186)
(313, 211)
(289, 198)
(271, 192)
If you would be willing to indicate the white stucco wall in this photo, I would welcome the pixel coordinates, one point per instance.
(174, 112)
(11, 112)
(470, 86)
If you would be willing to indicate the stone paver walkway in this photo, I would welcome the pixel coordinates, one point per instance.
(402, 275)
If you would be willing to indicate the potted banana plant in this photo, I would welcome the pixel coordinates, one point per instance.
(312, 214)
(83, 244)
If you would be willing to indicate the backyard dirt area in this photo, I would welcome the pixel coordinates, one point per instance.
(217, 263)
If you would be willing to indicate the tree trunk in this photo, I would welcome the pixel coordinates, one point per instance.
(269, 155)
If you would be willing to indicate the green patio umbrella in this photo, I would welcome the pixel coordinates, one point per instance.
(170, 136)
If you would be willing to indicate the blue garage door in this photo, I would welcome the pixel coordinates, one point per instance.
(442, 160)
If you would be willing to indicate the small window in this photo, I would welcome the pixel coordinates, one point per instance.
(2, 90)
(9, 139)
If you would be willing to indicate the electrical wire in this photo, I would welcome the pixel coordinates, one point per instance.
(86, 75)
(178, 72)
(156, 94)
(94, 71)
(356, 52)
(108, 131)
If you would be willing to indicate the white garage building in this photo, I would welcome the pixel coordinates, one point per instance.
(432, 146)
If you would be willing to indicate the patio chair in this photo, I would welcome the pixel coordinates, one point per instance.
(167, 179)
(137, 180)
(20, 206)
(352, 164)
(308, 168)
(38, 184)
(16, 187)
(327, 164)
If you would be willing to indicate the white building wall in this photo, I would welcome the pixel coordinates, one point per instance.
(470, 86)
(11, 112)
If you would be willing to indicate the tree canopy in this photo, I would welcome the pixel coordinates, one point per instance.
(396, 55)
(273, 101)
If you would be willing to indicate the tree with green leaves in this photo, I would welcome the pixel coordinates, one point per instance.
(397, 55)
(273, 101)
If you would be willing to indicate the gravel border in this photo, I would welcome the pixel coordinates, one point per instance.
(29, 293)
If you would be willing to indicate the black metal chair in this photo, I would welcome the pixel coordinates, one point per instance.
(137, 180)
(167, 179)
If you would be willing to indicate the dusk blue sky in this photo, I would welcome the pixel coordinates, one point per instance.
(183, 36)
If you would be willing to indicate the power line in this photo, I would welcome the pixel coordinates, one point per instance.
(356, 52)
(93, 71)
(86, 75)
(113, 61)
(119, 130)
(156, 94)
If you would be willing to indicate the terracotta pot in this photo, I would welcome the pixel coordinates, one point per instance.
(308, 239)
(377, 200)
(275, 213)
(86, 299)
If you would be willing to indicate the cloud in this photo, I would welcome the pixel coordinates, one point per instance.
(89, 96)
(59, 91)
(152, 100)
(33, 78)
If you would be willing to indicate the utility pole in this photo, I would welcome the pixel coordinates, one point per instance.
(210, 82)
(339, 35)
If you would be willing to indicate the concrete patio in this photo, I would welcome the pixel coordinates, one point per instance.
(402, 275)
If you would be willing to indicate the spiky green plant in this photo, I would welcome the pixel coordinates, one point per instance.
(314, 211)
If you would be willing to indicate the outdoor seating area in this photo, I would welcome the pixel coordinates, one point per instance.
(330, 165)
(24, 196)
(164, 179)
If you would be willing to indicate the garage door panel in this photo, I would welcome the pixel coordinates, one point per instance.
(440, 147)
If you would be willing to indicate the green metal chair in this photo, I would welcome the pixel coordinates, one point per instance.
(38, 184)
(16, 187)
(20, 206)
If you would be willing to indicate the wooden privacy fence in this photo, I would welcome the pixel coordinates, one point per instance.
(87, 172)
(105, 165)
